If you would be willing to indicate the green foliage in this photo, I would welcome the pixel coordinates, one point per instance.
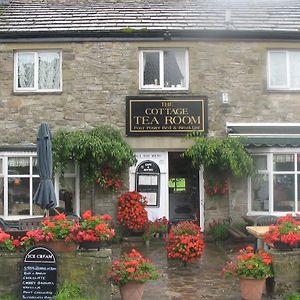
(219, 230)
(223, 154)
(292, 297)
(95, 151)
(69, 291)
(8, 297)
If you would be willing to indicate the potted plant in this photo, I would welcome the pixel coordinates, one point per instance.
(161, 226)
(285, 234)
(130, 272)
(185, 242)
(57, 232)
(132, 214)
(148, 232)
(252, 269)
(93, 230)
(7, 242)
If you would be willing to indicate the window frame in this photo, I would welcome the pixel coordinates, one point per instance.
(286, 87)
(5, 155)
(161, 86)
(36, 89)
(269, 154)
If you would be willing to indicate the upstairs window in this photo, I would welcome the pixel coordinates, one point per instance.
(284, 70)
(37, 71)
(164, 69)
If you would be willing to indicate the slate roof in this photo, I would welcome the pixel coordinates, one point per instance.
(62, 17)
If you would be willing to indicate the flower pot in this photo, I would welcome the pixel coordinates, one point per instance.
(132, 291)
(59, 245)
(282, 246)
(251, 288)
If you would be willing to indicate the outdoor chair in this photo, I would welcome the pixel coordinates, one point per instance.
(4, 225)
(264, 221)
(30, 223)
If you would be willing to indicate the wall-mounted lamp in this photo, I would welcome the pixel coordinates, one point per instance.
(225, 98)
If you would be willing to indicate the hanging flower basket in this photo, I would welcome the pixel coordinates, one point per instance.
(214, 187)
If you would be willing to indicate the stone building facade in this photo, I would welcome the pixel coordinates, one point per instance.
(99, 73)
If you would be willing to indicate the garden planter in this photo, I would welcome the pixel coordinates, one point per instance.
(87, 245)
(282, 246)
(132, 291)
(60, 245)
(252, 289)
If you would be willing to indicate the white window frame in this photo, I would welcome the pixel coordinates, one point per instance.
(269, 154)
(286, 87)
(4, 174)
(36, 76)
(161, 86)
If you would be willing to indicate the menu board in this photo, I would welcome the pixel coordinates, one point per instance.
(39, 274)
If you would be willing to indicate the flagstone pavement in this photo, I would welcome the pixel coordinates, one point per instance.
(199, 280)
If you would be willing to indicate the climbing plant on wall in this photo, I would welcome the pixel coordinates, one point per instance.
(221, 154)
(101, 153)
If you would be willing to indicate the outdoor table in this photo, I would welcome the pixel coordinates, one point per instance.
(258, 232)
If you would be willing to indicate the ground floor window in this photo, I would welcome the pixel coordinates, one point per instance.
(275, 189)
(19, 180)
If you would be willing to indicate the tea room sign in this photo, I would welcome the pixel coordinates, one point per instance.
(165, 116)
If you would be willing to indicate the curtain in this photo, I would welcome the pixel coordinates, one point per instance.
(278, 69)
(180, 59)
(49, 71)
(25, 70)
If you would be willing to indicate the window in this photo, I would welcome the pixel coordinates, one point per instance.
(19, 180)
(276, 187)
(284, 70)
(164, 69)
(37, 71)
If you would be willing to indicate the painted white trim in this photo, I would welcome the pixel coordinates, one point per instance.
(161, 86)
(36, 89)
(263, 124)
(270, 172)
(288, 63)
(201, 199)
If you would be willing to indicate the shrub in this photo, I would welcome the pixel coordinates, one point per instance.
(219, 230)
(185, 242)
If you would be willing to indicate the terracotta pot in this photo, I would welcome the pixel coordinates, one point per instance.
(252, 289)
(59, 245)
(132, 291)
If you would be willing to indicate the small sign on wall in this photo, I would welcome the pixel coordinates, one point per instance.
(165, 116)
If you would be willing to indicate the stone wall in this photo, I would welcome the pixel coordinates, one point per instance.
(97, 76)
(286, 266)
(88, 270)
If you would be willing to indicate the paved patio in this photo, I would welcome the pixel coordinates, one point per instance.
(199, 280)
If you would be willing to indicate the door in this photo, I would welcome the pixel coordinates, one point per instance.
(184, 192)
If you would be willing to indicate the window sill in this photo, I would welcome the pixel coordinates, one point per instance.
(163, 91)
(36, 93)
(282, 91)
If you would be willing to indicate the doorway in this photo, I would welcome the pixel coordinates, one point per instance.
(184, 192)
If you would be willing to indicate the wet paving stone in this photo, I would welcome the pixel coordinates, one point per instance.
(198, 280)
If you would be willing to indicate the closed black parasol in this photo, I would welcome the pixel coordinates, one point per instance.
(45, 195)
